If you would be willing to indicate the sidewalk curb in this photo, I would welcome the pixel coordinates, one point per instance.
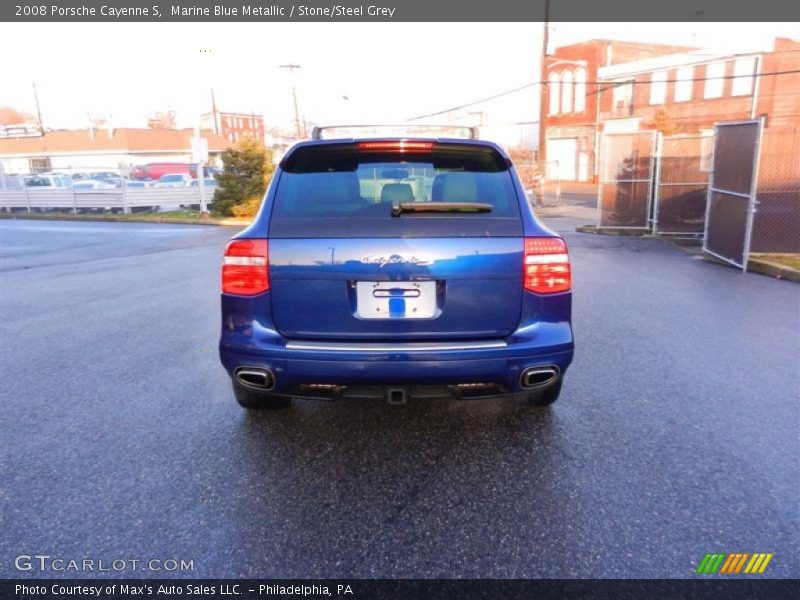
(612, 231)
(116, 219)
(765, 267)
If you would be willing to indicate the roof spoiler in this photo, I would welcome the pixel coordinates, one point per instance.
(404, 130)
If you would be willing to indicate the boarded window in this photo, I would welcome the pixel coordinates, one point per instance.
(658, 87)
(683, 84)
(715, 72)
(743, 76)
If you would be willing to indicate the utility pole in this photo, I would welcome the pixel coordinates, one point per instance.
(38, 110)
(214, 112)
(292, 67)
(543, 91)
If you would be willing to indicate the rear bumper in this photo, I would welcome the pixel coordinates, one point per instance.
(498, 362)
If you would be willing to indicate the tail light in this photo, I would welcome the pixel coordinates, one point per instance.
(244, 268)
(546, 268)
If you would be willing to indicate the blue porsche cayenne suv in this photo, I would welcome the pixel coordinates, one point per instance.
(397, 267)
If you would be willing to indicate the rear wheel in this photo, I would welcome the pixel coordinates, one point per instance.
(546, 396)
(253, 400)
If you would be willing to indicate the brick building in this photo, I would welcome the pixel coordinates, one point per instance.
(606, 86)
(233, 126)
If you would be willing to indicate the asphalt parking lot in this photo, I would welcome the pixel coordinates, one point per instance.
(676, 433)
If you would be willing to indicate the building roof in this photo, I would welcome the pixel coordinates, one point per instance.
(120, 140)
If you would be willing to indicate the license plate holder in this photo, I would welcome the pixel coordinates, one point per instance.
(395, 299)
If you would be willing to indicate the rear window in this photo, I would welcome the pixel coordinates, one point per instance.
(340, 190)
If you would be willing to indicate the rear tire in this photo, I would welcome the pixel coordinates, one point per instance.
(253, 400)
(546, 396)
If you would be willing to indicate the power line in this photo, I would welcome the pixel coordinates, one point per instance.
(607, 83)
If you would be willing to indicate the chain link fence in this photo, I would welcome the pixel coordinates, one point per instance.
(683, 167)
(626, 179)
(541, 182)
(776, 218)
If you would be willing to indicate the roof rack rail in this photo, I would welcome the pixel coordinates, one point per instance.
(402, 130)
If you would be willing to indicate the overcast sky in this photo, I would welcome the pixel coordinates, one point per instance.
(388, 71)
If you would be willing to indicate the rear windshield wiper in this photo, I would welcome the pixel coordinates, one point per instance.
(399, 208)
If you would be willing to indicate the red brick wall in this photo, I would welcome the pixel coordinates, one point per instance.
(682, 117)
(779, 95)
(234, 126)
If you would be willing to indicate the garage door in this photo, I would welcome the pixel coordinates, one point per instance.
(565, 151)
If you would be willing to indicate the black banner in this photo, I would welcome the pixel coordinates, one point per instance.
(358, 589)
(397, 10)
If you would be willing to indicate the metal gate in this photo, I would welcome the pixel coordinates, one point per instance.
(732, 187)
(626, 180)
(681, 188)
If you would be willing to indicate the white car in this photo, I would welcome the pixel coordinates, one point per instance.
(92, 184)
(174, 180)
(209, 183)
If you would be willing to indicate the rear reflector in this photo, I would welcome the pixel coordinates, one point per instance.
(396, 146)
(546, 268)
(244, 268)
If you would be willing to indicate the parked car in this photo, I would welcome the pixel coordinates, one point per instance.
(103, 175)
(452, 289)
(174, 180)
(93, 184)
(209, 183)
(11, 182)
(154, 171)
(117, 182)
(48, 180)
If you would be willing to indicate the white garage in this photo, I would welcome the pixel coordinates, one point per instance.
(565, 151)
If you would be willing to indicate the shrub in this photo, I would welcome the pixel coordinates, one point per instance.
(247, 170)
(248, 208)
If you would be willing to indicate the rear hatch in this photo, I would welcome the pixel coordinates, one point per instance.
(391, 240)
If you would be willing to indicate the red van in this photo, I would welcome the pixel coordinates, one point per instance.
(154, 171)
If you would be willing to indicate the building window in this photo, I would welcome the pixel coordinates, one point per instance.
(566, 92)
(714, 80)
(580, 90)
(622, 96)
(555, 87)
(37, 165)
(683, 84)
(658, 87)
(743, 76)
(707, 150)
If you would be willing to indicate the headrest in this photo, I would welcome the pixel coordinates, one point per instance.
(400, 192)
(454, 187)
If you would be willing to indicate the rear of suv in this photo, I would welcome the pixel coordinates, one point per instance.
(395, 268)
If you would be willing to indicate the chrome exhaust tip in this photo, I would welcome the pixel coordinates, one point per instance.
(254, 377)
(539, 377)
